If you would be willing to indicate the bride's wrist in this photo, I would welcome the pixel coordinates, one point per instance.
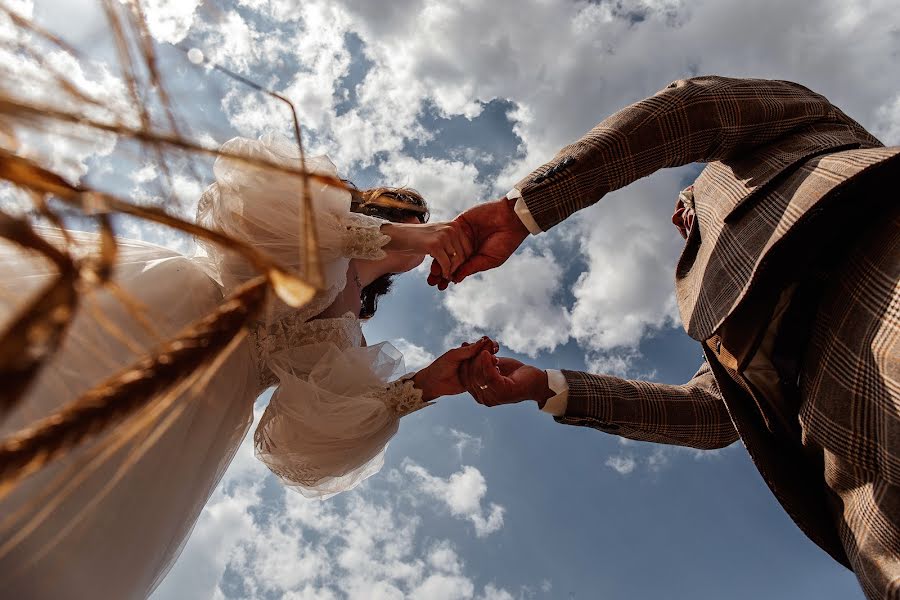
(421, 381)
(390, 229)
(401, 241)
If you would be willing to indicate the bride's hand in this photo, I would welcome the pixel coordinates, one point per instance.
(445, 242)
(441, 378)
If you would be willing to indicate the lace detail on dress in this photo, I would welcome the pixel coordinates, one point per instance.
(402, 397)
(291, 331)
(363, 237)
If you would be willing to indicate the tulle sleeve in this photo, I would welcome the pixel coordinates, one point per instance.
(325, 432)
(263, 206)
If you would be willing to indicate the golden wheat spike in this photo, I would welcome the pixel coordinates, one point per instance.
(118, 397)
(37, 331)
(121, 395)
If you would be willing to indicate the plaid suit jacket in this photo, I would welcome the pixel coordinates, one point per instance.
(779, 155)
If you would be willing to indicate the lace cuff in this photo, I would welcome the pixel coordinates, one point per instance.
(363, 237)
(402, 397)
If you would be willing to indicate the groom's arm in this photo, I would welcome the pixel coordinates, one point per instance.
(767, 124)
(694, 120)
(691, 415)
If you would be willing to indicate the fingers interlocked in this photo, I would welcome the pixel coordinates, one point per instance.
(450, 248)
(482, 378)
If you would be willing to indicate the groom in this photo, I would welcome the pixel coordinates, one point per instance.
(789, 278)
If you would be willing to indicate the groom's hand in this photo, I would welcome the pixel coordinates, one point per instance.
(494, 231)
(495, 380)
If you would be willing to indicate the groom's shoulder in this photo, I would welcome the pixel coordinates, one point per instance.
(725, 84)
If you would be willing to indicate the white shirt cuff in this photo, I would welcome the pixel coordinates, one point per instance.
(522, 211)
(557, 405)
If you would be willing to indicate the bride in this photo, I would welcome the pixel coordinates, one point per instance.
(114, 529)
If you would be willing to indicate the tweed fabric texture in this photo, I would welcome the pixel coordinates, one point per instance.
(851, 405)
(781, 157)
(751, 131)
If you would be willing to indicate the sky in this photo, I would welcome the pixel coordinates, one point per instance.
(460, 99)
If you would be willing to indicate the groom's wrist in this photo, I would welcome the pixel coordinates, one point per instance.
(522, 212)
(513, 218)
(540, 390)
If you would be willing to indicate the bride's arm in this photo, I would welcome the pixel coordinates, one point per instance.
(443, 241)
(370, 238)
(441, 378)
(328, 422)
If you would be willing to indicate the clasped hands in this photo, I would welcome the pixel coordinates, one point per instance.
(479, 239)
(490, 379)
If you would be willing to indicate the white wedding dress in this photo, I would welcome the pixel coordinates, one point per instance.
(113, 530)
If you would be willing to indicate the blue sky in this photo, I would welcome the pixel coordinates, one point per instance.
(460, 99)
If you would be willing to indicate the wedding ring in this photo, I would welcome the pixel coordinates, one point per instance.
(482, 387)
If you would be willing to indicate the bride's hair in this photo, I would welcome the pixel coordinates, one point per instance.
(397, 205)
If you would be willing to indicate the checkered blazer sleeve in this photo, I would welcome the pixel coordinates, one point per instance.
(691, 415)
(693, 120)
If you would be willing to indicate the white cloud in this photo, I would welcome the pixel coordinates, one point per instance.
(517, 303)
(178, 193)
(658, 459)
(13, 200)
(251, 114)
(462, 493)
(715, 453)
(22, 8)
(888, 122)
(170, 20)
(414, 357)
(145, 174)
(187, 189)
(308, 40)
(365, 548)
(449, 186)
(325, 59)
(464, 441)
(493, 593)
(631, 251)
(623, 465)
(620, 364)
(443, 556)
(66, 149)
(441, 586)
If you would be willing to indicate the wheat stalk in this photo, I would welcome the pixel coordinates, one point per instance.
(36, 332)
(115, 399)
